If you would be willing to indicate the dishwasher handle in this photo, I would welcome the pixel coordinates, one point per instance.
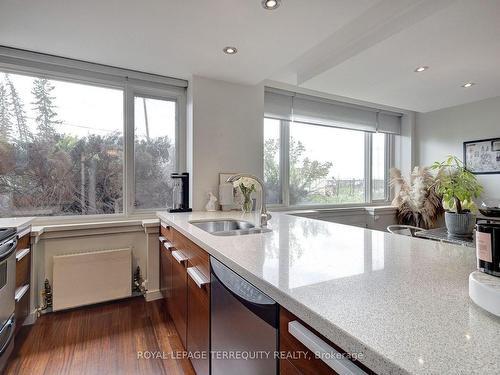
(331, 357)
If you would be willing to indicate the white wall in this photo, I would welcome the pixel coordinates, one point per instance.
(225, 133)
(441, 133)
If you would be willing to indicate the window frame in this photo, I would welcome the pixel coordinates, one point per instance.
(133, 84)
(180, 134)
(369, 201)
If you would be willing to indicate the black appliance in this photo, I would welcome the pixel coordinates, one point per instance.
(490, 208)
(488, 247)
(180, 193)
(8, 243)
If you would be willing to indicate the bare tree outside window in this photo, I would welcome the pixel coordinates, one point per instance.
(61, 147)
(155, 121)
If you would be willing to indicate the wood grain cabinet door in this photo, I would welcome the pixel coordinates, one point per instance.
(177, 305)
(198, 332)
(165, 273)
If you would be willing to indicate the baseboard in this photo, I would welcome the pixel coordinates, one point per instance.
(152, 295)
(30, 319)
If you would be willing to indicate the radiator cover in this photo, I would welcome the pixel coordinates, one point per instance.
(91, 277)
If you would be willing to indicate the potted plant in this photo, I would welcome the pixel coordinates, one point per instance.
(416, 199)
(458, 188)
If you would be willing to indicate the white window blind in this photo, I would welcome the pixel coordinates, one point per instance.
(289, 106)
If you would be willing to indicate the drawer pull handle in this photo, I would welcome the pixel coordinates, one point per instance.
(24, 232)
(168, 245)
(162, 239)
(197, 277)
(20, 254)
(179, 256)
(20, 292)
(331, 357)
(165, 225)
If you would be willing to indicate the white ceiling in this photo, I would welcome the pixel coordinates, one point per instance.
(173, 37)
(363, 49)
(459, 42)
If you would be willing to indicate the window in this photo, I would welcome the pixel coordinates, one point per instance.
(72, 144)
(272, 162)
(320, 152)
(379, 167)
(61, 147)
(155, 152)
(325, 165)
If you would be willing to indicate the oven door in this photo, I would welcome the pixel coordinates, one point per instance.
(7, 280)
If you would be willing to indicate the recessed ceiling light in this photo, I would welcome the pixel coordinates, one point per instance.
(421, 69)
(468, 84)
(271, 4)
(230, 50)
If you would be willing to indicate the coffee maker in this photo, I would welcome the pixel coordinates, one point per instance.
(180, 193)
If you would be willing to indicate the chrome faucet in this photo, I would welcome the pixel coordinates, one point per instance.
(264, 215)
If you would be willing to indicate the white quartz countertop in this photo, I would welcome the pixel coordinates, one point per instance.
(402, 302)
(16, 222)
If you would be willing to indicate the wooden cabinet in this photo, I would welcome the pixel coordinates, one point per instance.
(184, 281)
(165, 270)
(198, 328)
(23, 277)
(177, 305)
(305, 362)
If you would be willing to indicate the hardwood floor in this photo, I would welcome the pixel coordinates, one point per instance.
(100, 339)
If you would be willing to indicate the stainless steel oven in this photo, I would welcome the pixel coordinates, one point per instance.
(8, 243)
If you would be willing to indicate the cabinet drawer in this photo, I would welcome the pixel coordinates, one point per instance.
(23, 266)
(22, 305)
(177, 305)
(24, 241)
(165, 272)
(307, 363)
(197, 257)
(166, 231)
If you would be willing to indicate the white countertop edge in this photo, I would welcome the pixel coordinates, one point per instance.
(20, 223)
(373, 360)
(38, 230)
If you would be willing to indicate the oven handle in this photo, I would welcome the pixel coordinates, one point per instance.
(10, 326)
(7, 249)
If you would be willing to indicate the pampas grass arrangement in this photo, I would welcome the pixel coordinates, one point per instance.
(417, 200)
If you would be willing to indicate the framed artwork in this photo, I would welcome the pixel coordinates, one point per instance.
(483, 156)
(236, 192)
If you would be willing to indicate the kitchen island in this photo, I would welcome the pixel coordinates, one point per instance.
(401, 302)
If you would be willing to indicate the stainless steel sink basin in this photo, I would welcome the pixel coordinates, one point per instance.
(227, 227)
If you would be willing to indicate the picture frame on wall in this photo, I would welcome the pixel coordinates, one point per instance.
(482, 156)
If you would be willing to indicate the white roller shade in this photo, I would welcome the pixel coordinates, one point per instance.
(278, 105)
(290, 106)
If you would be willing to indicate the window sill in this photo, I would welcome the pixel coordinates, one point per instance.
(92, 227)
(340, 211)
(331, 208)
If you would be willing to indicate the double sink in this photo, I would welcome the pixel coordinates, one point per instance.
(228, 227)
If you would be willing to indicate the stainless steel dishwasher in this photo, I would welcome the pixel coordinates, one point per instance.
(243, 327)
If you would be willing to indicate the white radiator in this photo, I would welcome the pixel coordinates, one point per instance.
(91, 277)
